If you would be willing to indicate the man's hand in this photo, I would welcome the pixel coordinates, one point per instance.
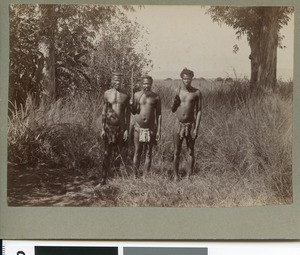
(176, 101)
(125, 135)
(194, 134)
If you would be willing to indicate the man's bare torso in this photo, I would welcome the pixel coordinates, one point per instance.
(188, 105)
(117, 102)
(148, 103)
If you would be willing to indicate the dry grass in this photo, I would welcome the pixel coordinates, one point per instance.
(243, 153)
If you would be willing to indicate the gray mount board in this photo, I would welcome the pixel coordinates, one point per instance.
(257, 222)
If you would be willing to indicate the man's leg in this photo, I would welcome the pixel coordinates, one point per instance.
(116, 160)
(177, 142)
(190, 143)
(122, 157)
(148, 158)
(138, 147)
(106, 165)
(120, 154)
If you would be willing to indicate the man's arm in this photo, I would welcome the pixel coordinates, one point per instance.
(176, 103)
(158, 118)
(198, 114)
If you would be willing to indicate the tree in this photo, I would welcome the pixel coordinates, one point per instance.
(68, 37)
(262, 27)
(121, 47)
(26, 58)
(57, 50)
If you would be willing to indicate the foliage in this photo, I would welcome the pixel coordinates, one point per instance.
(120, 46)
(248, 20)
(64, 133)
(52, 47)
(69, 39)
(26, 59)
(262, 27)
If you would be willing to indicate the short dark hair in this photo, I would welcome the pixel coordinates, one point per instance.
(187, 72)
(147, 77)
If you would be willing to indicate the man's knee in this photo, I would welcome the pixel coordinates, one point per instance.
(148, 155)
(177, 143)
(148, 150)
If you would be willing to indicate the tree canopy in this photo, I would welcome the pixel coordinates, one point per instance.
(58, 50)
(261, 26)
(249, 20)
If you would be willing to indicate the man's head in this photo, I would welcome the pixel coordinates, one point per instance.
(186, 76)
(147, 82)
(116, 80)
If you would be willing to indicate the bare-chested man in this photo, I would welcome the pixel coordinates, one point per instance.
(187, 104)
(115, 123)
(146, 106)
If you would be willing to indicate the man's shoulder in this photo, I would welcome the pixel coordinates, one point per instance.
(192, 90)
(124, 92)
(153, 95)
(108, 91)
(138, 93)
(156, 95)
(113, 91)
(105, 94)
(197, 91)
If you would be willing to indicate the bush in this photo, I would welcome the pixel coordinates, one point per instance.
(219, 79)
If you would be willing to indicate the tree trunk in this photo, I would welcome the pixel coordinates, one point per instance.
(50, 84)
(254, 58)
(51, 69)
(264, 51)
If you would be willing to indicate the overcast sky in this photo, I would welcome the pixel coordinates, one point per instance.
(183, 36)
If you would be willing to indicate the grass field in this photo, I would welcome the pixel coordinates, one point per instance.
(243, 152)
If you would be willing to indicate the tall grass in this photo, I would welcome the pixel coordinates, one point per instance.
(243, 152)
(244, 147)
(62, 134)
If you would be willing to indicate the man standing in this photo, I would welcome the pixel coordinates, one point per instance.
(187, 104)
(115, 123)
(146, 106)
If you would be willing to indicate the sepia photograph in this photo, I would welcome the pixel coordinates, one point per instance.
(150, 105)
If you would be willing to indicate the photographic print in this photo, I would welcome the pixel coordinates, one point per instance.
(150, 106)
